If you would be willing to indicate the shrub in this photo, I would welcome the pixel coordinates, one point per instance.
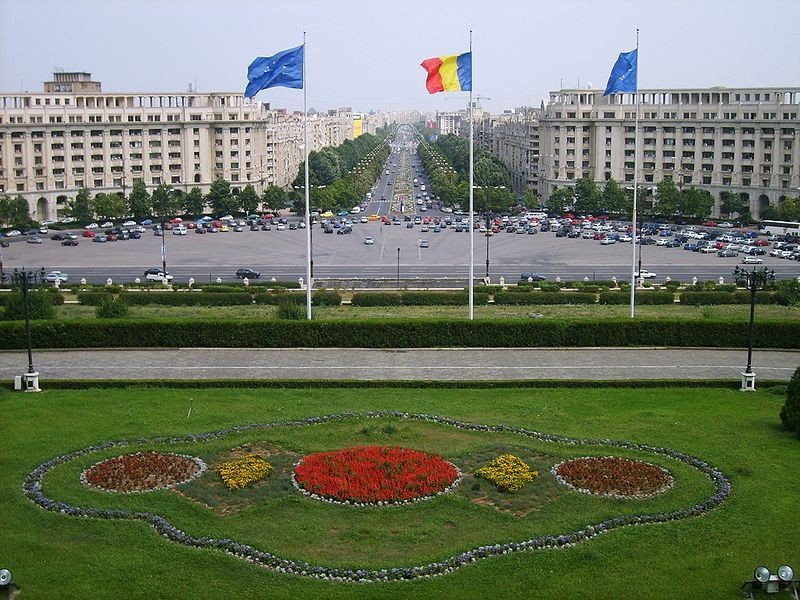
(790, 413)
(672, 285)
(442, 298)
(291, 310)
(112, 308)
(704, 298)
(326, 298)
(789, 292)
(549, 287)
(376, 299)
(189, 299)
(278, 298)
(641, 299)
(40, 305)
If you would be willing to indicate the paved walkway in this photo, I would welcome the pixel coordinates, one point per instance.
(417, 364)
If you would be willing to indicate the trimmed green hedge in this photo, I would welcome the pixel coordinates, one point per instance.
(643, 298)
(532, 298)
(376, 299)
(55, 297)
(398, 333)
(739, 297)
(442, 298)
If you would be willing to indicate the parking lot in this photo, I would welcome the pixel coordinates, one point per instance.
(281, 254)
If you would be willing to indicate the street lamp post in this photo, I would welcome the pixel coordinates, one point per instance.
(24, 279)
(753, 281)
(487, 246)
(398, 268)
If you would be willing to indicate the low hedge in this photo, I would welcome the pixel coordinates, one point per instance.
(739, 297)
(188, 299)
(56, 298)
(643, 298)
(376, 299)
(442, 298)
(532, 298)
(398, 333)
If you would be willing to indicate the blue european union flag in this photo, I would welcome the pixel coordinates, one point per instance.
(623, 75)
(284, 69)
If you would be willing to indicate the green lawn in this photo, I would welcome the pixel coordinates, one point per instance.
(721, 312)
(53, 555)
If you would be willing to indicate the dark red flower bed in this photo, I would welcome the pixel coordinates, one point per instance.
(371, 474)
(613, 476)
(142, 471)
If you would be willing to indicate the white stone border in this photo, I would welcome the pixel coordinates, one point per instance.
(564, 482)
(200, 465)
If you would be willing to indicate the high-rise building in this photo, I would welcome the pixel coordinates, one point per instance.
(743, 140)
(74, 136)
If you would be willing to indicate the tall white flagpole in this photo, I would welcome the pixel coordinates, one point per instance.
(635, 183)
(309, 283)
(471, 195)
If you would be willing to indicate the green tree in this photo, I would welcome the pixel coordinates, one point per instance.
(81, 208)
(140, 204)
(108, 206)
(530, 198)
(559, 200)
(613, 198)
(790, 413)
(668, 198)
(789, 209)
(274, 198)
(587, 196)
(248, 199)
(219, 198)
(696, 203)
(732, 202)
(20, 217)
(193, 202)
(5, 210)
(40, 306)
(165, 204)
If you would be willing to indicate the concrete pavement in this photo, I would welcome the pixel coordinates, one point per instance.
(387, 364)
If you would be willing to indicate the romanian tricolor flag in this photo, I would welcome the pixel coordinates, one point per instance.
(449, 73)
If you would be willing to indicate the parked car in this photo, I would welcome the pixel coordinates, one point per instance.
(93, 226)
(54, 276)
(179, 230)
(751, 260)
(526, 275)
(58, 237)
(129, 224)
(100, 239)
(156, 274)
(69, 242)
(369, 240)
(243, 272)
(35, 240)
(13, 233)
(727, 253)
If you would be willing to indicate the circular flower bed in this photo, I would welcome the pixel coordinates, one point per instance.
(374, 475)
(508, 473)
(142, 472)
(612, 476)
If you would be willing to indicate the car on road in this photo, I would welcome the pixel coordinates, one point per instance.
(58, 237)
(530, 275)
(243, 272)
(100, 239)
(54, 276)
(156, 274)
(369, 240)
(607, 241)
(727, 253)
(424, 244)
(751, 260)
(644, 274)
(4, 244)
(35, 240)
(69, 242)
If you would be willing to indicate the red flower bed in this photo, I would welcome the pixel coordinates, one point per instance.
(143, 471)
(613, 476)
(371, 474)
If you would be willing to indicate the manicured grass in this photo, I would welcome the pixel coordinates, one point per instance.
(55, 555)
(721, 312)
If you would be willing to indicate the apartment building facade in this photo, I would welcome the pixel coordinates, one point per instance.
(743, 140)
(54, 143)
(514, 140)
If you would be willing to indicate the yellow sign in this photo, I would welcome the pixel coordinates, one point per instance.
(358, 127)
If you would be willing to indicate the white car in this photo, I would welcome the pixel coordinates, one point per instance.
(364, 220)
(157, 275)
(92, 226)
(179, 230)
(607, 241)
(662, 242)
(281, 227)
(54, 276)
(644, 274)
(625, 238)
(13, 233)
(107, 224)
(369, 241)
(725, 225)
(751, 260)
(68, 220)
(129, 224)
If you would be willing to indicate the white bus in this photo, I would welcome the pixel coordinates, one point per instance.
(780, 227)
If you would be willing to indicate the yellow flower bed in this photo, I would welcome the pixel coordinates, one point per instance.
(243, 471)
(508, 472)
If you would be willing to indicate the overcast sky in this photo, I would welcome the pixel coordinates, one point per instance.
(366, 54)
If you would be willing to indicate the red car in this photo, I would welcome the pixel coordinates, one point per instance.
(88, 233)
(710, 224)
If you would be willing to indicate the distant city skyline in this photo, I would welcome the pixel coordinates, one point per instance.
(366, 55)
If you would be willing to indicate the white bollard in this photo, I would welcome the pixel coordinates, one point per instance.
(83, 280)
(219, 279)
(137, 281)
(694, 280)
(191, 282)
(246, 281)
(109, 282)
(721, 280)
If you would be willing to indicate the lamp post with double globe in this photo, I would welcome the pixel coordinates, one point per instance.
(25, 279)
(754, 280)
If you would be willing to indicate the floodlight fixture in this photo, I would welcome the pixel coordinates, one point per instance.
(761, 574)
(5, 578)
(785, 573)
(772, 583)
